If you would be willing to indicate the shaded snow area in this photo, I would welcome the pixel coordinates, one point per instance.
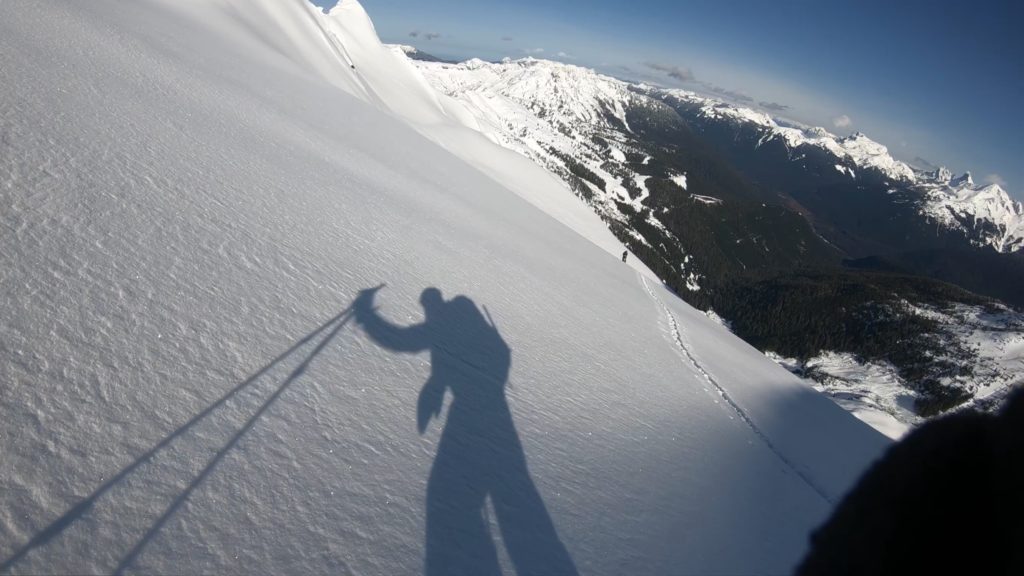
(193, 196)
(875, 392)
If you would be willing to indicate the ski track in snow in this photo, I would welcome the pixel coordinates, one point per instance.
(680, 342)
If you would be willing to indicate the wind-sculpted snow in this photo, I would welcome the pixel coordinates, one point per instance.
(193, 196)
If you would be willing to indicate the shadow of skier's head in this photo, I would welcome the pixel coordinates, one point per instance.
(432, 301)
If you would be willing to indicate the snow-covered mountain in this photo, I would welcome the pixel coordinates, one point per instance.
(531, 105)
(417, 54)
(857, 148)
(987, 215)
(987, 212)
(194, 193)
(544, 110)
(602, 135)
(572, 122)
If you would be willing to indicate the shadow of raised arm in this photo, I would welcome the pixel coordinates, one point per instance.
(391, 336)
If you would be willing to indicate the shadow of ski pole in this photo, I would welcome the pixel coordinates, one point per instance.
(155, 528)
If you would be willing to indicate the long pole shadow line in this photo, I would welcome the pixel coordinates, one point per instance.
(130, 557)
(78, 510)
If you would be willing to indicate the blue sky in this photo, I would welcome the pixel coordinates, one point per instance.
(940, 80)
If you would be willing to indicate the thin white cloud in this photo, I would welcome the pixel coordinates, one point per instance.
(533, 50)
(995, 179)
(565, 55)
(843, 121)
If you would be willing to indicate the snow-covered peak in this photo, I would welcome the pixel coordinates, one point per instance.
(544, 87)
(405, 48)
(987, 211)
(717, 109)
(866, 152)
(476, 63)
(963, 180)
(987, 215)
(861, 141)
(941, 174)
(517, 98)
(857, 148)
(551, 113)
(817, 132)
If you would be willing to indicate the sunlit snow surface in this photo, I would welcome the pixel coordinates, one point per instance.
(192, 191)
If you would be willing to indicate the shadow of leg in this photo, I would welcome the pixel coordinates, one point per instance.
(459, 541)
(526, 527)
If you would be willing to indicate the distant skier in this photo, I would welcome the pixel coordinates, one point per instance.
(479, 456)
(624, 253)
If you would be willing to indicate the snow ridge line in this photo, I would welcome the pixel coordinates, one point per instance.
(677, 335)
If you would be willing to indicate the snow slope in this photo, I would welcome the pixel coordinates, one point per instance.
(186, 223)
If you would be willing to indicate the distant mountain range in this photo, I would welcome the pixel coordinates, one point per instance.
(415, 53)
(984, 215)
(729, 205)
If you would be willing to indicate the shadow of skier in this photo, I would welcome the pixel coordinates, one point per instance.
(479, 455)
